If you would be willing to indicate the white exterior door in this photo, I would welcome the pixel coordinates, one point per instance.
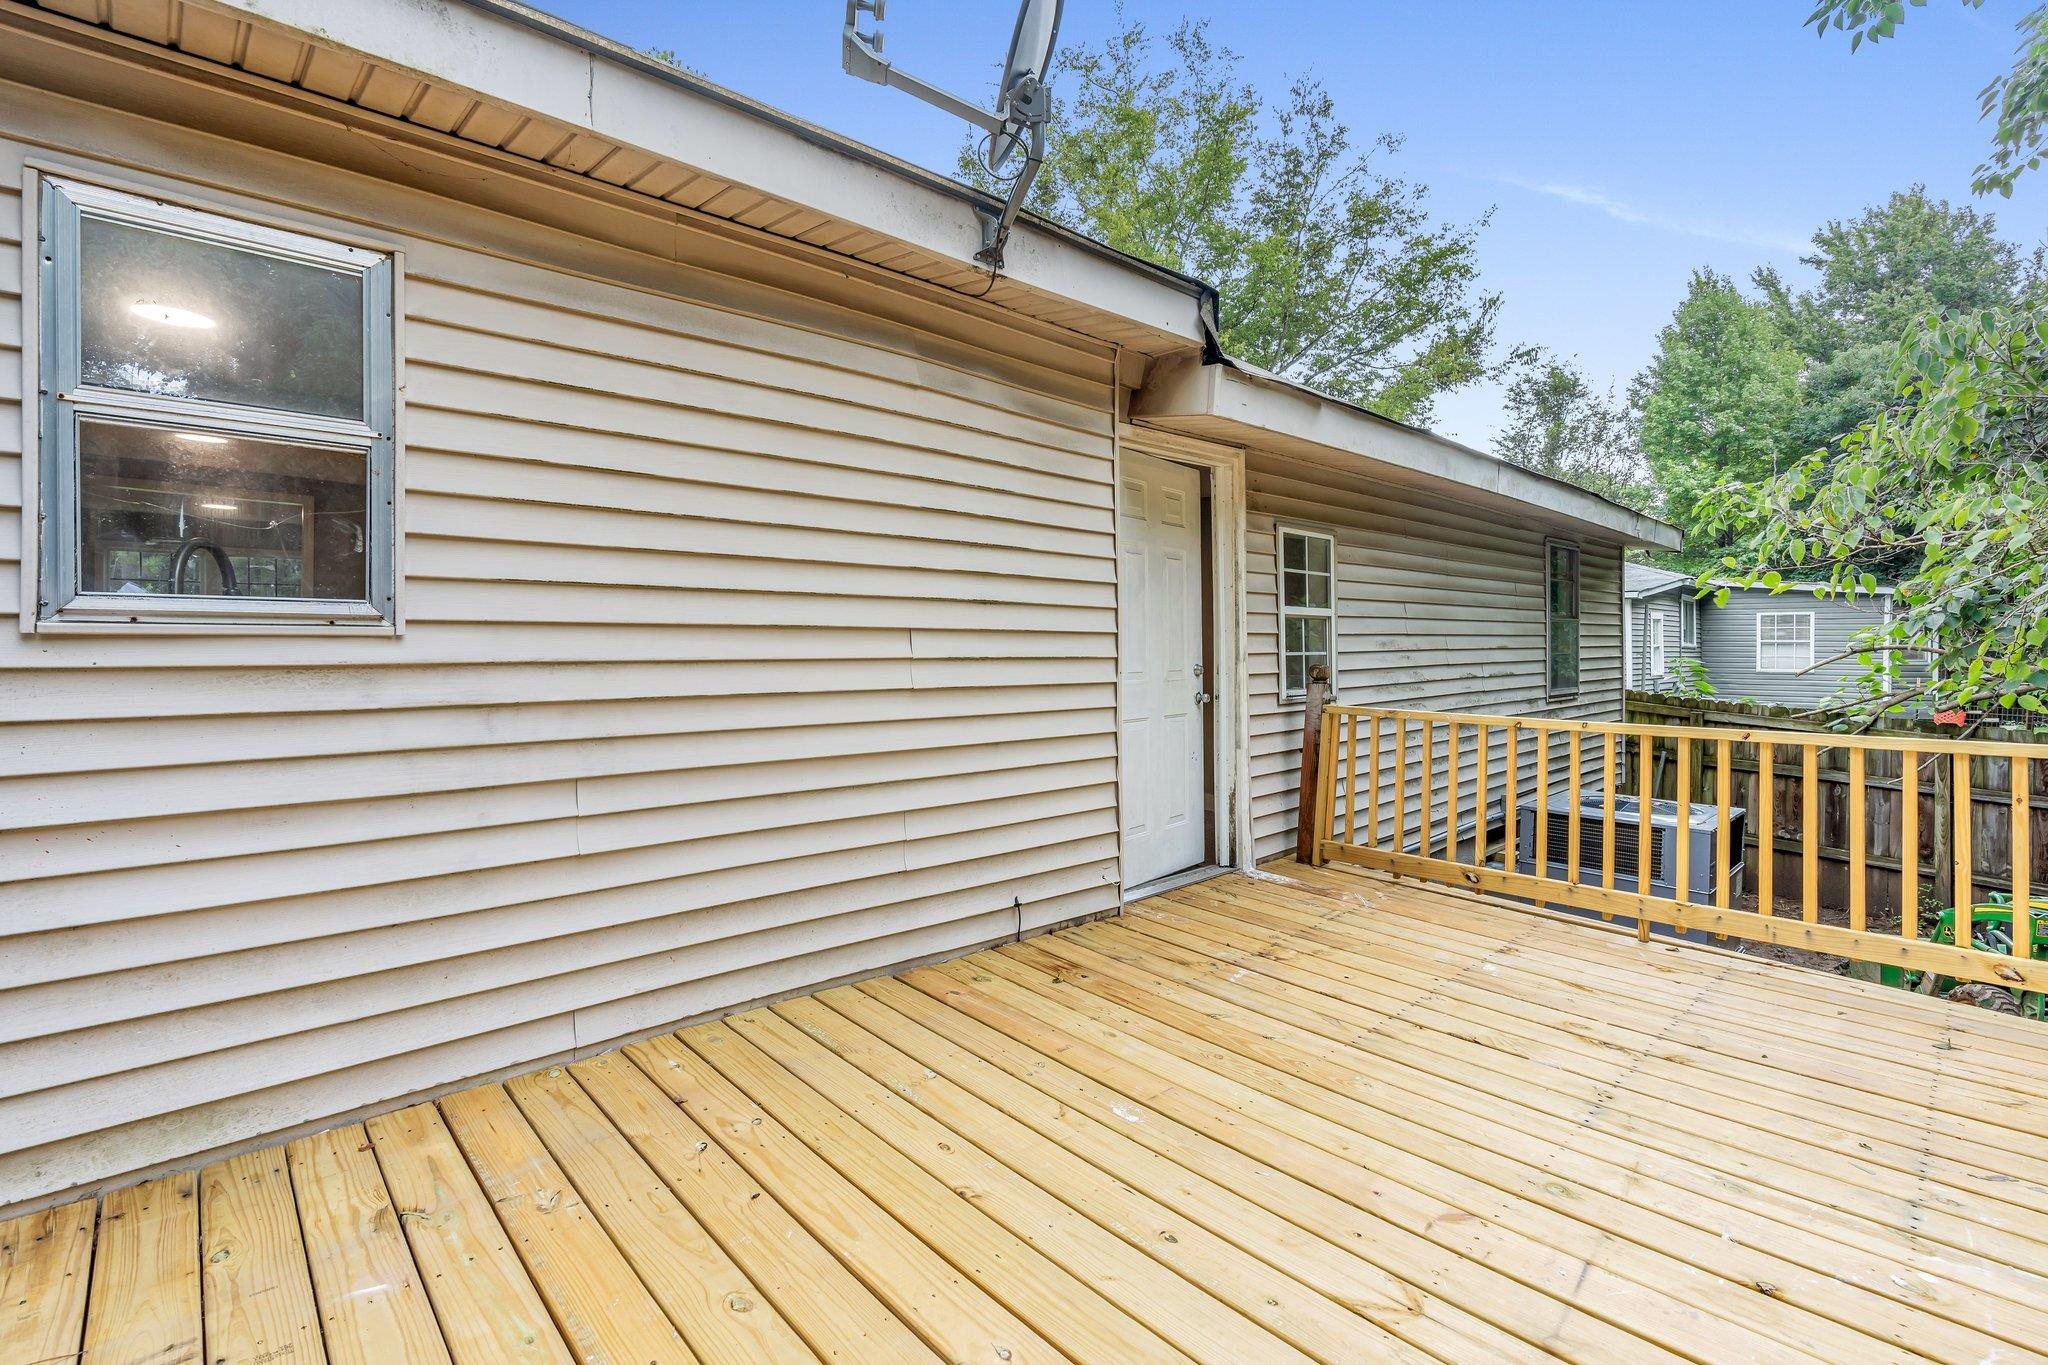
(1159, 660)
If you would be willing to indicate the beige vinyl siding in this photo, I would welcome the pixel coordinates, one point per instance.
(1438, 608)
(750, 643)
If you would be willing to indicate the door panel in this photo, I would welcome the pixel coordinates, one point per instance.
(1159, 654)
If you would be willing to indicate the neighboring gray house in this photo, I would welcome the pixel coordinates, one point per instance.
(1771, 647)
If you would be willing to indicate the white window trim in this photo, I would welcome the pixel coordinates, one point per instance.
(50, 306)
(1550, 685)
(1761, 617)
(1287, 613)
(1655, 662)
(1688, 622)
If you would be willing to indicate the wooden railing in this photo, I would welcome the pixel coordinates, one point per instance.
(1483, 801)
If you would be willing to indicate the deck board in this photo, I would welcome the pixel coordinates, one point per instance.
(1302, 1114)
(45, 1261)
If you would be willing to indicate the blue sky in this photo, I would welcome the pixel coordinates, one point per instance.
(1620, 144)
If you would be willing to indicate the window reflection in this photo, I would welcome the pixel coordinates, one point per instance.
(169, 512)
(176, 317)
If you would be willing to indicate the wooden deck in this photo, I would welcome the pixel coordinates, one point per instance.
(1316, 1114)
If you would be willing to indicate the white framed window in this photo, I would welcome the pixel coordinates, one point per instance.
(1784, 641)
(1308, 608)
(1689, 622)
(1653, 634)
(1561, 617)
(217, 426)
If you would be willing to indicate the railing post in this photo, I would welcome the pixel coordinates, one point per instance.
(1309, 815)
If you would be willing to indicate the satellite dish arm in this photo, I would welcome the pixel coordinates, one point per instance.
(861, 55)
(1025, 106)
(995, 227)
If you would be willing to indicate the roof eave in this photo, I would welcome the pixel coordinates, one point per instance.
(1227, 402)
(517, 55)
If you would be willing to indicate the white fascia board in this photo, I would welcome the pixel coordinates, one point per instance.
(1254, 405)
(521, 57)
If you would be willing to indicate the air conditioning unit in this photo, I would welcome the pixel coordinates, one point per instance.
(1701, 823)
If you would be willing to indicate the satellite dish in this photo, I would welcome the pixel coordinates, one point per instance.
(1016, 124)
(1024, 70)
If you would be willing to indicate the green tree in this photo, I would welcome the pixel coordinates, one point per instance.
(1879, 274)
(1716, 404)
(1559, 424)
(2016, 102)
(1953, 481)
(1952, 478)
(1330, 271)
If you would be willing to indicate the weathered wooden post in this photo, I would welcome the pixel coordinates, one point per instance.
(1307, 816)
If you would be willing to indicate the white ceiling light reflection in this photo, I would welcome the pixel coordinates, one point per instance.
(168, 315)
(221, 506)
(201, 438)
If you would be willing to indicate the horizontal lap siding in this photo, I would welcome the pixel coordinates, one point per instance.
(742, 654)
(1728, 647)
(1671, 607)
(1440, 608)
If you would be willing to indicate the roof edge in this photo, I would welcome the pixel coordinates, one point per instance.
(513, 54)
(1252, 404)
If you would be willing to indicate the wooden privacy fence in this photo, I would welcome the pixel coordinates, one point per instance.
(1486, 802)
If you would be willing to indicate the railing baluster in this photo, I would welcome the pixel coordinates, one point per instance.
(1809, 828)
(2022, 858)
(1766, 826)
(1451, 765)
(1681, 881)
(1645, 833)
(1610, 778)
(1510, 834)
(1372, 806)
(1859, 845)
(1909, 843)
(1965, 892)
(1541, 851)
(1351, 778)
(1400, 783)
(1574, 754)
(1724, 806)
(1482, 741)
(1427, 834)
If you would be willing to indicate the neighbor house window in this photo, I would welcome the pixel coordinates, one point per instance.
(1655, 633)
(217, 418)
(1308, 608)
(1561, 613)
(1784, 641)
(1688, 621)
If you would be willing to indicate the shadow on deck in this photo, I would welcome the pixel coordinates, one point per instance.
(1313, 1113)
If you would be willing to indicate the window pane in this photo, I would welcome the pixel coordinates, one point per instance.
(1318, 554)
(1292, 635)
(161, 509)
(1293, 555)
(1564, 654)
(1295, 672)
(1315, 637)
(176, 317)
(1293, 589)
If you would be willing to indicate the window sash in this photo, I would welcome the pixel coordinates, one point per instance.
(1654, 629)
(1562, 664)
(1688, 621)
(1296, 661)
(67, 401)
(1784, 641)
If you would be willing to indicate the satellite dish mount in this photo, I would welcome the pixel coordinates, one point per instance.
(1016, 126)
